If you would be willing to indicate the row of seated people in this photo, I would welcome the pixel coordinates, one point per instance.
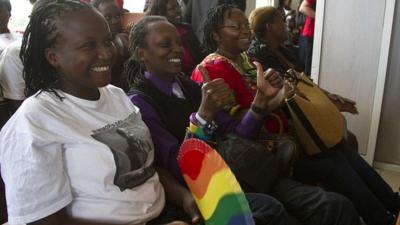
(154, 69)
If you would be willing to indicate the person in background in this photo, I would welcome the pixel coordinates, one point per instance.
(120, 4)
(268, 47)
(307, 7)
(192, 51)
(292, 31)
(112, 13)
(77, 151)
(6, 37)
(11, 81)
(341, 168)
(196, 12)
(285, 7)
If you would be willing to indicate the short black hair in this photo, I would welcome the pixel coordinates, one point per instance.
(214, 20)
(41, 33)
(5, 4)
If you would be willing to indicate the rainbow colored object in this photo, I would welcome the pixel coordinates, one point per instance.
(215, 189)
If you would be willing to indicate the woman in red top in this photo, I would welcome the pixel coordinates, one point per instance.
(230, 38)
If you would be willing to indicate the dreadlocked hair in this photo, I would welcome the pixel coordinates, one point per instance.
(214, 20)
(134, 68)
(41, 33)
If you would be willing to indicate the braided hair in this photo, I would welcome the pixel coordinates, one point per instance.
(214, 20)
(41, 33)
(134, 68)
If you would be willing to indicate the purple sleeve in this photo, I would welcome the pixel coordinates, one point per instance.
(247, 127)
(165, 144)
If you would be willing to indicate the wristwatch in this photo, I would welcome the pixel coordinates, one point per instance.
(260, 111)
(208, 127)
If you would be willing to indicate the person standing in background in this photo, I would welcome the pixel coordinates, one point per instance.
(306, 39)
(196, 12)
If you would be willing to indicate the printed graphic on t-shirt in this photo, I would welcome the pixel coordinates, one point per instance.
(132, 150)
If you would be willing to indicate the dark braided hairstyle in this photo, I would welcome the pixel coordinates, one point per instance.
(41, 33)
(213, 22)
(134, 68)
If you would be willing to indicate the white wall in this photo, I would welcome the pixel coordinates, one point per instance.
(350, 55)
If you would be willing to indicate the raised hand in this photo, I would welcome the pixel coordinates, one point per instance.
(270, 93)
(268, 83)
(215, 95)
(343, 104)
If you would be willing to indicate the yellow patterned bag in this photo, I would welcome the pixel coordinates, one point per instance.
(319, 125)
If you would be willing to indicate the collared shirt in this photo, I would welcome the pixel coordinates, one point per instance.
(166, 145)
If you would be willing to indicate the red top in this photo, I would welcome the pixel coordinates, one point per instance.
(308, 28)
(187, 58)
(221, 67)
(120, 3)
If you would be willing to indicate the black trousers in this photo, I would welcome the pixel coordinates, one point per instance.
(299, 204)
(265, 209)
(344, 171)
(305, 53)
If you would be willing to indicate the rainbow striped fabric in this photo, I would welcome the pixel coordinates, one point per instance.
(215, 189)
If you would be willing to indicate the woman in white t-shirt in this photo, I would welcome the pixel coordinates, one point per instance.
(77, 150)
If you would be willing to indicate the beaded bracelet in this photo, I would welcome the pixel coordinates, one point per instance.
(197, 131)
(233, 110)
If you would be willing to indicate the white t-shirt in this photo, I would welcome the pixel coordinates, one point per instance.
(7, 38)
(11, 67)
(74, 153)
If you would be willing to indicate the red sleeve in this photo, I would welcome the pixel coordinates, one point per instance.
(311, 2)
(222, 69)
(120, 3)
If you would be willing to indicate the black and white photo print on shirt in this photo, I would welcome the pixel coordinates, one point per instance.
(131, 145)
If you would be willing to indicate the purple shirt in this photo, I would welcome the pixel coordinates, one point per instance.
(166, 145)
